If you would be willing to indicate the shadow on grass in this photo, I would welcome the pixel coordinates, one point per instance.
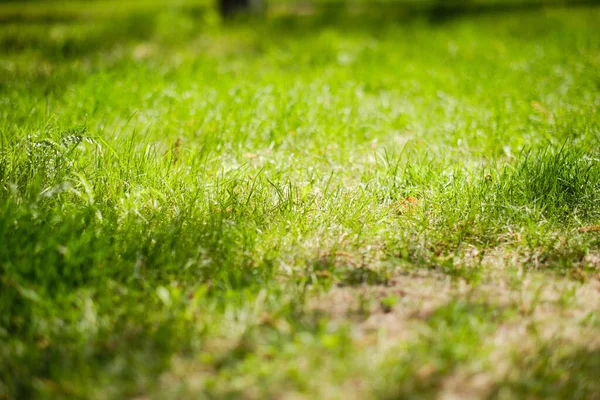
(552, 373)
(345, 269)
(76, 41)
(454, 338)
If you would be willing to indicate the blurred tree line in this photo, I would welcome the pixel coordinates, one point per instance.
(231, 7)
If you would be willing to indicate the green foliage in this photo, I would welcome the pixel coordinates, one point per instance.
(176, 191)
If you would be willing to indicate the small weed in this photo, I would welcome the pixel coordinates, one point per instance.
(388, 303)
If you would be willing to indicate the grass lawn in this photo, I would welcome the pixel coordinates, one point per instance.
(373, 203)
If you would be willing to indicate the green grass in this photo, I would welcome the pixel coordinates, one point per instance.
(320, 204)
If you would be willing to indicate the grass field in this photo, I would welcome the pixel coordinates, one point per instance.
(317, 204)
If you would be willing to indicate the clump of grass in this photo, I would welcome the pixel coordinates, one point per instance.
(550, 186)
(558, 184)
(541, 193)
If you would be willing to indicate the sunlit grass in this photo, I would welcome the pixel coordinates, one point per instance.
(177, 192)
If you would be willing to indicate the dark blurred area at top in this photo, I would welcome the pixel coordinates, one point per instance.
(433, 10)
(436, 9)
